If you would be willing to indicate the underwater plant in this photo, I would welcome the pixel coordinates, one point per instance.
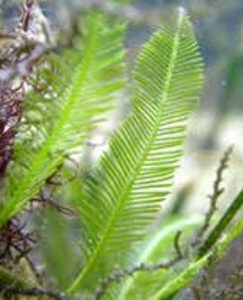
(61, 98)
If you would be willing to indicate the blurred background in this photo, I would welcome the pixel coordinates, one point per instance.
(218, 122)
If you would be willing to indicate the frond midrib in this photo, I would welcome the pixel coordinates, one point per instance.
(78, 81)
(114, 215)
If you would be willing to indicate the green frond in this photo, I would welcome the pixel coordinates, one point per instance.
(158, 247)
(124, 195)
(182, 280)
(186, 276)
(84, 86)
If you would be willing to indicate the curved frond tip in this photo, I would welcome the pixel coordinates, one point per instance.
(136, 174)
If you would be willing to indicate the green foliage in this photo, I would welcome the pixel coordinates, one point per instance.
(7, 278)
(136, 174)
(206, 256)
(156, 246)
(58, 235)
(117, 203)
(85, 82)
(222, 224)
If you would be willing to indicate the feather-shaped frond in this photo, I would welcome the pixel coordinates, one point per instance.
(135, 176)
(85, 83)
